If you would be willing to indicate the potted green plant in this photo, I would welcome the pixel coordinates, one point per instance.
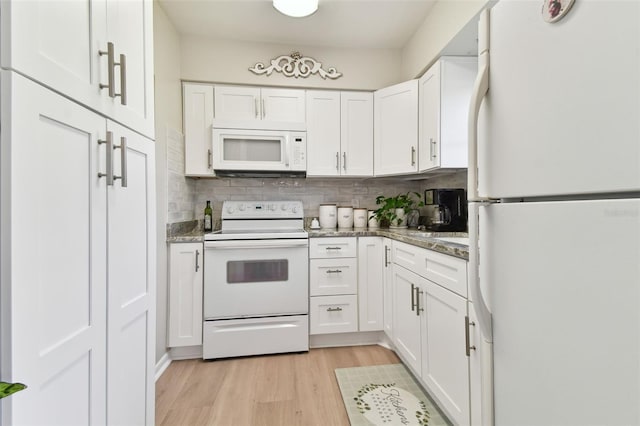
(7, 389)
(393, 210)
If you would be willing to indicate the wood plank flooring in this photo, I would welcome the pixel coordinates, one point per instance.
(282, 390)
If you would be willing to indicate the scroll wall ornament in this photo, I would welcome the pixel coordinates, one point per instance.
(295, 65)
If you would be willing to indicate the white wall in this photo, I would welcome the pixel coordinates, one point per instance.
(443, 23)
(168, 115)
(225, 61)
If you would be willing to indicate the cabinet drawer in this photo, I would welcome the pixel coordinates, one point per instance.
(447, 271)
(333, 314)
(320, 248)
(333, 276)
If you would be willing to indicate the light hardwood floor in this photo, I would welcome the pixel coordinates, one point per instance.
(282, 390)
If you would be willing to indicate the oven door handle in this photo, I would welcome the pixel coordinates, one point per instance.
(245, 244)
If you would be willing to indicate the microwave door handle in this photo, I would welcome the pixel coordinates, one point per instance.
(286, 151)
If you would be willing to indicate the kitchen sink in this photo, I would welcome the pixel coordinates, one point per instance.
(458, 240)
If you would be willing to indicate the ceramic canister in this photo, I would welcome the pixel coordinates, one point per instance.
(359, 218)
(328, 215)
(373, 222)
(345, 217)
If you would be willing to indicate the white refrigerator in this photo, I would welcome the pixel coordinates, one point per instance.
(554, 212)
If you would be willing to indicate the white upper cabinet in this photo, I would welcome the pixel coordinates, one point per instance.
(445, 91)
(339, 133)
(65, 46)
(396, 129)
(197, 105)
(356, 133)
(323, 133)
(259, 108)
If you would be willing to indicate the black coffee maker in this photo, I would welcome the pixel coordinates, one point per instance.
(450, 210)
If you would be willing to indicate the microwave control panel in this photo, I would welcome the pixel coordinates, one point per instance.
(299, 151)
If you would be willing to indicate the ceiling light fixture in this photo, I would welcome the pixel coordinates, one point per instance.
(296, 8)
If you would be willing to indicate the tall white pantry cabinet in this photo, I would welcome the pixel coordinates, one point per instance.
(77, 217)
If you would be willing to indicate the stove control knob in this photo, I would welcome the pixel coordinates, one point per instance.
(294, 209)
(241, 207)
(231, 209)
(284, 207)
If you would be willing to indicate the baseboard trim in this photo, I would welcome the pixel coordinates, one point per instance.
(346, 339)
(162, 365)
(186, 352)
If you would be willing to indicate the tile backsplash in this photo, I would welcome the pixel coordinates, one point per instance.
(311, 191)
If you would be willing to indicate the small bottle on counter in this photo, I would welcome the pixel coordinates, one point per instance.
(208, 217)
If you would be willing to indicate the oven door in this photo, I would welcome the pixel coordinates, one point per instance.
(252, 278)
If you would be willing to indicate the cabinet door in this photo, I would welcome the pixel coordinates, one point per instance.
(406, 318)
(237, 103)
(370, 283)
(445, 365)
(475, 370)
(130, 29)
(429, 122)
(396, 129)
(323, 133)
(456, 85)
(198, 119)
(356, 133)
(283, 106)
(53, 256)
(185, 294)
(57, 44)
(388, 290)
(132, 276)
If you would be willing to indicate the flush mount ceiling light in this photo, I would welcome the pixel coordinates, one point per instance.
(296, 8)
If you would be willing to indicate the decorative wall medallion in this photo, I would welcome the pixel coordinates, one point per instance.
(554, 10)
(295, 65)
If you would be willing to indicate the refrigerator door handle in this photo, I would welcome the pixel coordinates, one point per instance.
(480, 89)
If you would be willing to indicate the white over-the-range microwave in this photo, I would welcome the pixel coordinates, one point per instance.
(260, 153)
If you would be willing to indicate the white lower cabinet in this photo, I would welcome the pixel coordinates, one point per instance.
(370, 283)
(387, 307)
(346, 284)
(185, 294)
(333, 285)
(429, 325)
(406, 318)
(445, 365)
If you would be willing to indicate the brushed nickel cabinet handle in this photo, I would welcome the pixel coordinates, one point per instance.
(109, 174)
(123, 79)
(255, 105)
(264, 112)
(434, 145)
(197, 257)
(467, 338)
(123, 162)
(418, 308)
(344, 161)
(386, 256)
(209, 158)
(413, 156)
(334, 271)
(110, 70)
(337, 309)
(337, 161)
(334, 248)
(413, 297)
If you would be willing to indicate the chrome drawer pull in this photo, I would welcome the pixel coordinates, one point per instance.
(334, 248)
(334, 271)
(338, 309)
